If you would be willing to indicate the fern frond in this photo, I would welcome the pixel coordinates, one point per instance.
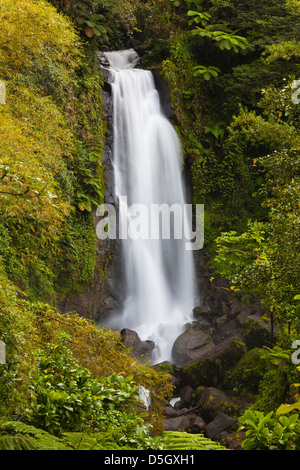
(17, 442)
(18, 433)
(175, 440)
(80, 441)
(95, 441)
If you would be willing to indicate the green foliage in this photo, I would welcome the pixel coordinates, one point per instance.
(26, 327)
(65, 397)
(240, 132)
(217, 129)
(76, 267)
(187, 3)
(17, 442)
(18, 332)
(63, 394)
(236, 252)
(286, 50)
(206, 72)
(21, 20)
(199, 17)
(286, 408)
(268, 375)
(50, 162)
(223, 40)
(187, 103)
(84, 441)
(95, 25)
(15, 435)
(224, 176)
(265, 24)
(103, 23)
(272, 390)
(269, 432)
(264, 259)
(183, 441)
(32, 155)
(248, 373)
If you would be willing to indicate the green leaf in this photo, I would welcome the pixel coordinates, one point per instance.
(286, 408)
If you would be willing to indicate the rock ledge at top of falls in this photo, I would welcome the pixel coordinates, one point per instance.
(105, 66)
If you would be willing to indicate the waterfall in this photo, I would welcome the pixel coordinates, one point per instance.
(147, 159)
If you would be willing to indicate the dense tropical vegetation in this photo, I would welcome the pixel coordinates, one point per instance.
(232, 67)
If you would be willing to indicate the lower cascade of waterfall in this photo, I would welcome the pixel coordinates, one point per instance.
(147, 159)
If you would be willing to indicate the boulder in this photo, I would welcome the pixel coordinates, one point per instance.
(202, 311)
(234, 441)
(180, 423)
(257, 332)
(187, 422)
(198, 425)
(235, 308)
(191, 346)
(213, 402)
(179, 405)
(219, 424)
(139, 349)
(210, 369)
(170, 412)
(186, 395)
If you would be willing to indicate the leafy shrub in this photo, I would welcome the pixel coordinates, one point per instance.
(67, 398)
(269, 432)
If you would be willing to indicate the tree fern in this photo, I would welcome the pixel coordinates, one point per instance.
(175, 440)
(18, 436)
(100, 441)
(17, 442)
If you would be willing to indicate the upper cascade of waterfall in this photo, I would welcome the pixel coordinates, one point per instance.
(124, 59)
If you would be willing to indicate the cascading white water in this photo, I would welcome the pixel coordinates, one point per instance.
(159, 273)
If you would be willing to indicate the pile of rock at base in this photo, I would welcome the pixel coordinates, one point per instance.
(206, 410)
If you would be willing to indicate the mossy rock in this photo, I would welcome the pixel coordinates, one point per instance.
(247, 374)
(213, 402)
(211, 371)
(257, 334)
(272, 391)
